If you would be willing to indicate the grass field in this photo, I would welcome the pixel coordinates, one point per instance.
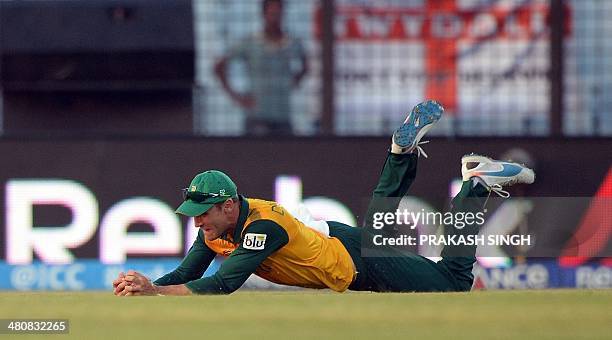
(553, 314)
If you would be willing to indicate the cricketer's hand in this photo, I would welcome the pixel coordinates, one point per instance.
(119, 285)
(137, 284)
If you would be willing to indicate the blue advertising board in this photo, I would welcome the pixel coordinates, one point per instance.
(94, 275)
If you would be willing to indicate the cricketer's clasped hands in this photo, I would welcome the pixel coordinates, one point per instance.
(133, 283)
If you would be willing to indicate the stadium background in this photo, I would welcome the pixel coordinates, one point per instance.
(108, 108)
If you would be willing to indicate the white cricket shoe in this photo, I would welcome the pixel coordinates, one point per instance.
(495, 174)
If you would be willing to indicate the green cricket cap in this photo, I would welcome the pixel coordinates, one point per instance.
(205, 190)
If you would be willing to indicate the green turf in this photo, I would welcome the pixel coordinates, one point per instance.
(553, 314)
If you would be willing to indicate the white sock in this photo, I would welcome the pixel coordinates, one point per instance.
(396, 149)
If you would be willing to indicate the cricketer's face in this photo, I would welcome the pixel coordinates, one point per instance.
(213, 222)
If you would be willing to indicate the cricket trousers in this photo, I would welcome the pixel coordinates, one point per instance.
(400, 271)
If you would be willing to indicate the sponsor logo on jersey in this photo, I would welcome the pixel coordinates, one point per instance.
(254, 241)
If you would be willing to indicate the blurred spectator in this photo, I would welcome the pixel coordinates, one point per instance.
(275, 63)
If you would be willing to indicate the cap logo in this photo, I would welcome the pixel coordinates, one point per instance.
(193, 188)
(222, 192)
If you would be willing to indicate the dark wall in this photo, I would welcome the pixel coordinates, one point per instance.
(105, 67)
(33, 26)
(97, 113)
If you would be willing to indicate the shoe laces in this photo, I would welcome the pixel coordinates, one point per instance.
(496, 188)
(420, 150)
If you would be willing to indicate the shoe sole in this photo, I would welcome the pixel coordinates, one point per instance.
(405, 136)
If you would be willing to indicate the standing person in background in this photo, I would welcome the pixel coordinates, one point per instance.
(275, 63)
